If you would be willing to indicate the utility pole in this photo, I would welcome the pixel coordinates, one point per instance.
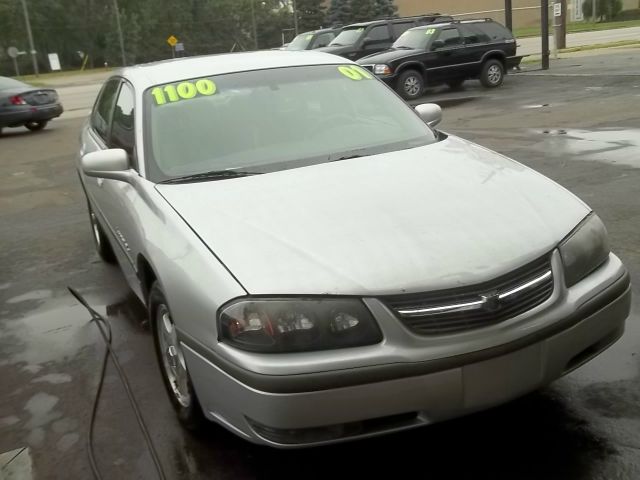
(544, 14)
(295, 18)
(508, 14)
(120, 37)
(593, 11)
(255, 29)
(560, 23)
(34, 59)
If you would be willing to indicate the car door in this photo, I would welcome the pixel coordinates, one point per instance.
(376, 39)
(449, 54)
(475, 45)
(94, 138)
(116, 200)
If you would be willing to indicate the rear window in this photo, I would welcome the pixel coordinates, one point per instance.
(348, 36)
(495, 31)
(6, 83)
(301, 42)
(400, 27)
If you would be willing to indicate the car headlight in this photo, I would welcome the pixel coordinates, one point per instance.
(297, 325)
(584, 250)
(382, 69)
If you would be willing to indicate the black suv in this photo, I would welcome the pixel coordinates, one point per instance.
(362, 39)
(449, 52)
(313, 40)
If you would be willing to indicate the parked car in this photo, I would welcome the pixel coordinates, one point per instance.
(450, 53)
(320, 264)
(361, 39)
(311, 40)
(22, 104)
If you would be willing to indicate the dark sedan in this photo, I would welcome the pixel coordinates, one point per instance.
(22, 104)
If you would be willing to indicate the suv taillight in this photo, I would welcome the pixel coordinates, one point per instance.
(17, 100)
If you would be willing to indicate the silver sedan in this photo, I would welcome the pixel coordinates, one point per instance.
(321, 264)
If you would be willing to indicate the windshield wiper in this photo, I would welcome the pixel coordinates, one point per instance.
(346, 157)
(402, 47)
(213, 175)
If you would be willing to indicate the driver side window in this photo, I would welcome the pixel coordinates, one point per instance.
(101, 115)
(379, 33)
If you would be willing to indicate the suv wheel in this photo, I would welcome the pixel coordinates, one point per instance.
(172, 363)
(410, 84)
(492, 73)
(100, 240)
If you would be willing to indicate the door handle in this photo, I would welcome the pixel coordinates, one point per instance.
(100, 181)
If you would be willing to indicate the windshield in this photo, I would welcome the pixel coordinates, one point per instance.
(301, 42)
(415, 39)
(348, 36)
(268, 120)
(6, 83)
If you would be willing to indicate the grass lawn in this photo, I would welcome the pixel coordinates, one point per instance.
(62, 73)
(577, 27)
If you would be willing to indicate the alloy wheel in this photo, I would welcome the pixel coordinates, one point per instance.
(175, 367)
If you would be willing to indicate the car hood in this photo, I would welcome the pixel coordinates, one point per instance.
(388, 56)
(337, 50)
(443, 215)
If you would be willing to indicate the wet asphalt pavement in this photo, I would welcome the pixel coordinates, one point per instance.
(582, 131)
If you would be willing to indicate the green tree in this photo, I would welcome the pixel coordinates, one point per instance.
(311, 14)
(385, 9)
(608, 9)
(363, 10)
(340, 12)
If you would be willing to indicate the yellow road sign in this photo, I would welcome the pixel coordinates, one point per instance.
(172, 41)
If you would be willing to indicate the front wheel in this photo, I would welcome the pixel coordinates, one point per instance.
(173, 366)
(492, 73)
(35, 126)
(410, 84)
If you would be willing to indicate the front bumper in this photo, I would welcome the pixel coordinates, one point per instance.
(290, 417)
(29, 113)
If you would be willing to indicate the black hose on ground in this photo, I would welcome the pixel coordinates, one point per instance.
(102, 324)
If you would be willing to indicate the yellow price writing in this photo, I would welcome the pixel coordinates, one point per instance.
(430, 31)
(354, 72)
(183, 91)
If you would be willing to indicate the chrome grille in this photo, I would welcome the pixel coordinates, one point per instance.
(476, 306)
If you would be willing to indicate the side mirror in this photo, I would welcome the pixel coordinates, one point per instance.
(112, 164)
(437, 44)
(430, 113)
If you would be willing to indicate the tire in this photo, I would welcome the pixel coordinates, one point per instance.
(455, 84)
(36, 126)
(492, 74)
(171, 362)
(100, 240)
(410, 84)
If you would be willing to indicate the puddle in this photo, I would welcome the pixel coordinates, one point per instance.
(35, 295)
(47, 334)
(53, 378)
(40, 407)
(616, 146)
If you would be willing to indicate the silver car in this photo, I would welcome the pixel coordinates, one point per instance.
(321, 264)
